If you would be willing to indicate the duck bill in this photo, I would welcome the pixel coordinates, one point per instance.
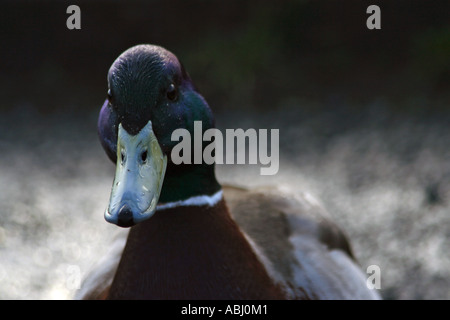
(139, 177)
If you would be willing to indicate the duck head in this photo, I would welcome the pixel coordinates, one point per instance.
(149, 96)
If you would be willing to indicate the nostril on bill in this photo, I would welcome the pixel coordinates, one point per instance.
(125, 217)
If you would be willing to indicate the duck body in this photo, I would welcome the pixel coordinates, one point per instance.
(300, 253)
(190, 237)
(191, 253)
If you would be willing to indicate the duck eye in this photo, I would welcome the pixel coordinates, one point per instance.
(110, 97)
(172, 93)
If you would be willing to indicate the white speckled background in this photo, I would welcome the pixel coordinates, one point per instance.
(385, 180)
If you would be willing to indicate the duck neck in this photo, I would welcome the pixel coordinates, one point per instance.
(191, 252)
(185, 181)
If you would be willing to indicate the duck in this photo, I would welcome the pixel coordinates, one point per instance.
(187, 235)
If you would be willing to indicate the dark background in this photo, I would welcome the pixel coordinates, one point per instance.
(257, 54)
(364, 119)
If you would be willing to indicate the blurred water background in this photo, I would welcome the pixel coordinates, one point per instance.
(364, 121)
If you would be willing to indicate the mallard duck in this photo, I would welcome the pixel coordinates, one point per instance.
(191, 237)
